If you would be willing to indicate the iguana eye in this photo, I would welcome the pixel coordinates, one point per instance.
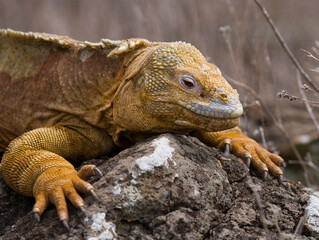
(188, 82)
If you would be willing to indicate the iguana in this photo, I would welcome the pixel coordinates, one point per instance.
(64, 100)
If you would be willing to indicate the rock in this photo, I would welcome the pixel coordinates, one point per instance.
(312, 213)
(168, 187)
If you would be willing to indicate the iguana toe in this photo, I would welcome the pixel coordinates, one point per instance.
(57, 197)
(88, 171)
(71, 194)
(277, 160)
(41, 203)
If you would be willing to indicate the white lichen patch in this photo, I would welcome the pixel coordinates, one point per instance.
(134, 175)
(163, 151)
(132, 194)
(117, 188)
(196, 192)
(105, 230)
(312, 212)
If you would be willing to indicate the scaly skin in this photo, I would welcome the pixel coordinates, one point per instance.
(63, 100)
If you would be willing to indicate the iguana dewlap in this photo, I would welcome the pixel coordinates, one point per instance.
(62, 100)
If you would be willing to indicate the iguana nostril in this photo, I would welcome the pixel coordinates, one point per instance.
(223, 97)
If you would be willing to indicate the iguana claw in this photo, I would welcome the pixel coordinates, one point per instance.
(83, 211)
(93, 194)
(65, 224)
(98, 172)
(248, 162)
(280, 178)
(264, 175)
(37, 216)
(283, 164)
(226, 146)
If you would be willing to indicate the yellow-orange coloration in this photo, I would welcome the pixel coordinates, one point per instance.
(63, 100)
(243, 147)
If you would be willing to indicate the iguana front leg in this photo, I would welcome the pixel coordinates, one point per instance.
(35, 164)
(244, 147)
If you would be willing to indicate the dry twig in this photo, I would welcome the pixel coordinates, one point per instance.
(285, 46)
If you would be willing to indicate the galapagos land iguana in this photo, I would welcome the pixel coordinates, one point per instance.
(64, 100)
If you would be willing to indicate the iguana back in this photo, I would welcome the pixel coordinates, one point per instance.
(47, 80)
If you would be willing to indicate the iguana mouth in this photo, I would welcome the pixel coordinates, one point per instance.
(216, 109)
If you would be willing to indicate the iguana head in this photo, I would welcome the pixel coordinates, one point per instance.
(179, 88)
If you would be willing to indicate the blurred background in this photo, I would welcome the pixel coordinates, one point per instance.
(232, 34)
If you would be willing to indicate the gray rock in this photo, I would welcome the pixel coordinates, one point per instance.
(312, 213)
(168, 187)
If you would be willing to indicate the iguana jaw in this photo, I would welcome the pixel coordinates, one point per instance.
(216, 109)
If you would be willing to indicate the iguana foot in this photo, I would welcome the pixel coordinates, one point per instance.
(246, 148)
(58, 183)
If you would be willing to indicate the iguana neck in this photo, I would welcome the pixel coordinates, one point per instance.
(105, 81)
(85, 86)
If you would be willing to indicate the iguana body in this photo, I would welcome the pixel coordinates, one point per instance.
(62, 99)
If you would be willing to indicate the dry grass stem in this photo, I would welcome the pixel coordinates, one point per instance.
(310, 55)
(308, 107)
(262, 134)
(299, 227)
(285, 46)
(261, 209)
